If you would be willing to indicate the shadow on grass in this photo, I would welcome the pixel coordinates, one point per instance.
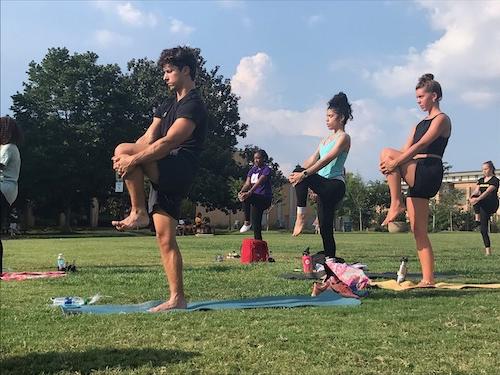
(92, 360)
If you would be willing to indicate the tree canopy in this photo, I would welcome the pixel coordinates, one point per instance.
(74, 112)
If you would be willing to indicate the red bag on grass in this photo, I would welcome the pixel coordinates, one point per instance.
(254, 251)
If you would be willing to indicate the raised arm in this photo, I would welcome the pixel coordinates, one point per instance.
(311, 159)
(343, 143)
(152, 134)
(441, 126)
(179, 132)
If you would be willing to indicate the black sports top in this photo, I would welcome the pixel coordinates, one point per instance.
(437, 146)
(491, 198)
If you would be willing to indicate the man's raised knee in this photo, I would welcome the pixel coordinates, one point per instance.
(120, 149)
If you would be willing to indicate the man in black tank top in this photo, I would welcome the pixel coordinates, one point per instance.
(419, 164)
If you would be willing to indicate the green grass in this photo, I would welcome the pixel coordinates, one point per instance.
(414, 332)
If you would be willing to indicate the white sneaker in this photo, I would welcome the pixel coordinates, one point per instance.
(245, 228)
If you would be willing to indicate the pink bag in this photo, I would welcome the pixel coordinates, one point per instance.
(354, 277)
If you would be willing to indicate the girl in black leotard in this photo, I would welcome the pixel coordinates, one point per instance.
(419, 164)
(485, 201)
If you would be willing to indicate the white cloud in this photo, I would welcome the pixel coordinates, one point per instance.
(180, 28)
(251, 74)
(291, 135)
(106, 38)
(127, 13)
(465, 59)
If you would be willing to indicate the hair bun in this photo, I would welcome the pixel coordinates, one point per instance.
(427, 77)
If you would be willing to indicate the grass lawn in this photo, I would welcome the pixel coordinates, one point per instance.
(413, 332)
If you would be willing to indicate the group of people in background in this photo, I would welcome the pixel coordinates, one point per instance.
(168, 154)
(418, 163)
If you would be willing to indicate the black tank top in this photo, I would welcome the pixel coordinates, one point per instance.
(437, 146)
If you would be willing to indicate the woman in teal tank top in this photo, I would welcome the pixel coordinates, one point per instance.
(323, 173)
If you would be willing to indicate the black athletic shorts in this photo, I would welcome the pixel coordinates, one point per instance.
(428, 178)
(176, 176)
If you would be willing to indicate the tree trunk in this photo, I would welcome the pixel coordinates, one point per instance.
(67, 222)
(360, 222)
(94, 213)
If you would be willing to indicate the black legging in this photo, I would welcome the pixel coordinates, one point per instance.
(485, 209)
(255, 205)
(330, 193)
(5, 210)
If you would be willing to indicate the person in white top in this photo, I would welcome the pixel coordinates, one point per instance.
(10, 165)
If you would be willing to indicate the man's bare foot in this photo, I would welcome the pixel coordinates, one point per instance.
(393, 214)
(487, 251)
(171, 304)
(426, 284)
(135, 220)
(299, 224)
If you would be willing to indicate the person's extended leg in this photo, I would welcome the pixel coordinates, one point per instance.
(247, 211)
(259, 205)
(134, 180)
(477, 211)
(418, 212)
(301, 190)
(329, 196)
(405, 171)
(326, 217)
(172, 261)
(484, 218)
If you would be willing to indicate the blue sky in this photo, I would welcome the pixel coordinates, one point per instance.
(286, 59)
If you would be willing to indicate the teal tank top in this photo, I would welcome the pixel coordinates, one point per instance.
(335, 168)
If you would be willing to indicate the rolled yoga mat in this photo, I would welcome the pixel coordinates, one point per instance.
(325, 299)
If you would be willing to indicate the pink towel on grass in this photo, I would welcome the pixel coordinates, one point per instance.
(19, 276)
(354, 277)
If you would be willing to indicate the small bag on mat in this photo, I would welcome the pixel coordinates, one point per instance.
(254, 251)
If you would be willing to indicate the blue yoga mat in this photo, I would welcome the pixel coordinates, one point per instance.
(328, 298)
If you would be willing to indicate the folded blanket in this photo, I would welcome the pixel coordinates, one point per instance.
(326, 299)
(19, 276)
(406, 285)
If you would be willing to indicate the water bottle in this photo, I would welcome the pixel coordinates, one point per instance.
(307, 265)
(68, 301)
(270, 258)
(61, 264)
(403, 270)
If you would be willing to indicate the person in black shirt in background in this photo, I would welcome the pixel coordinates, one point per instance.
(168, 154)
(484, 199)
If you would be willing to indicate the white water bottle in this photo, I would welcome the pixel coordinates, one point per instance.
(61, 264)
(403, 270)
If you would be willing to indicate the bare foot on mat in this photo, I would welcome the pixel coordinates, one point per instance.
(171, 304)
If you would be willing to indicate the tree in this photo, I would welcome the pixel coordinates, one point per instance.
(377, 203)
(356, 199)
(76, 111)
(72, 111)
(445, 210)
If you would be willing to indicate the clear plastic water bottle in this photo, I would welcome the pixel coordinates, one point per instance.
(403, 270)
(61, 263)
